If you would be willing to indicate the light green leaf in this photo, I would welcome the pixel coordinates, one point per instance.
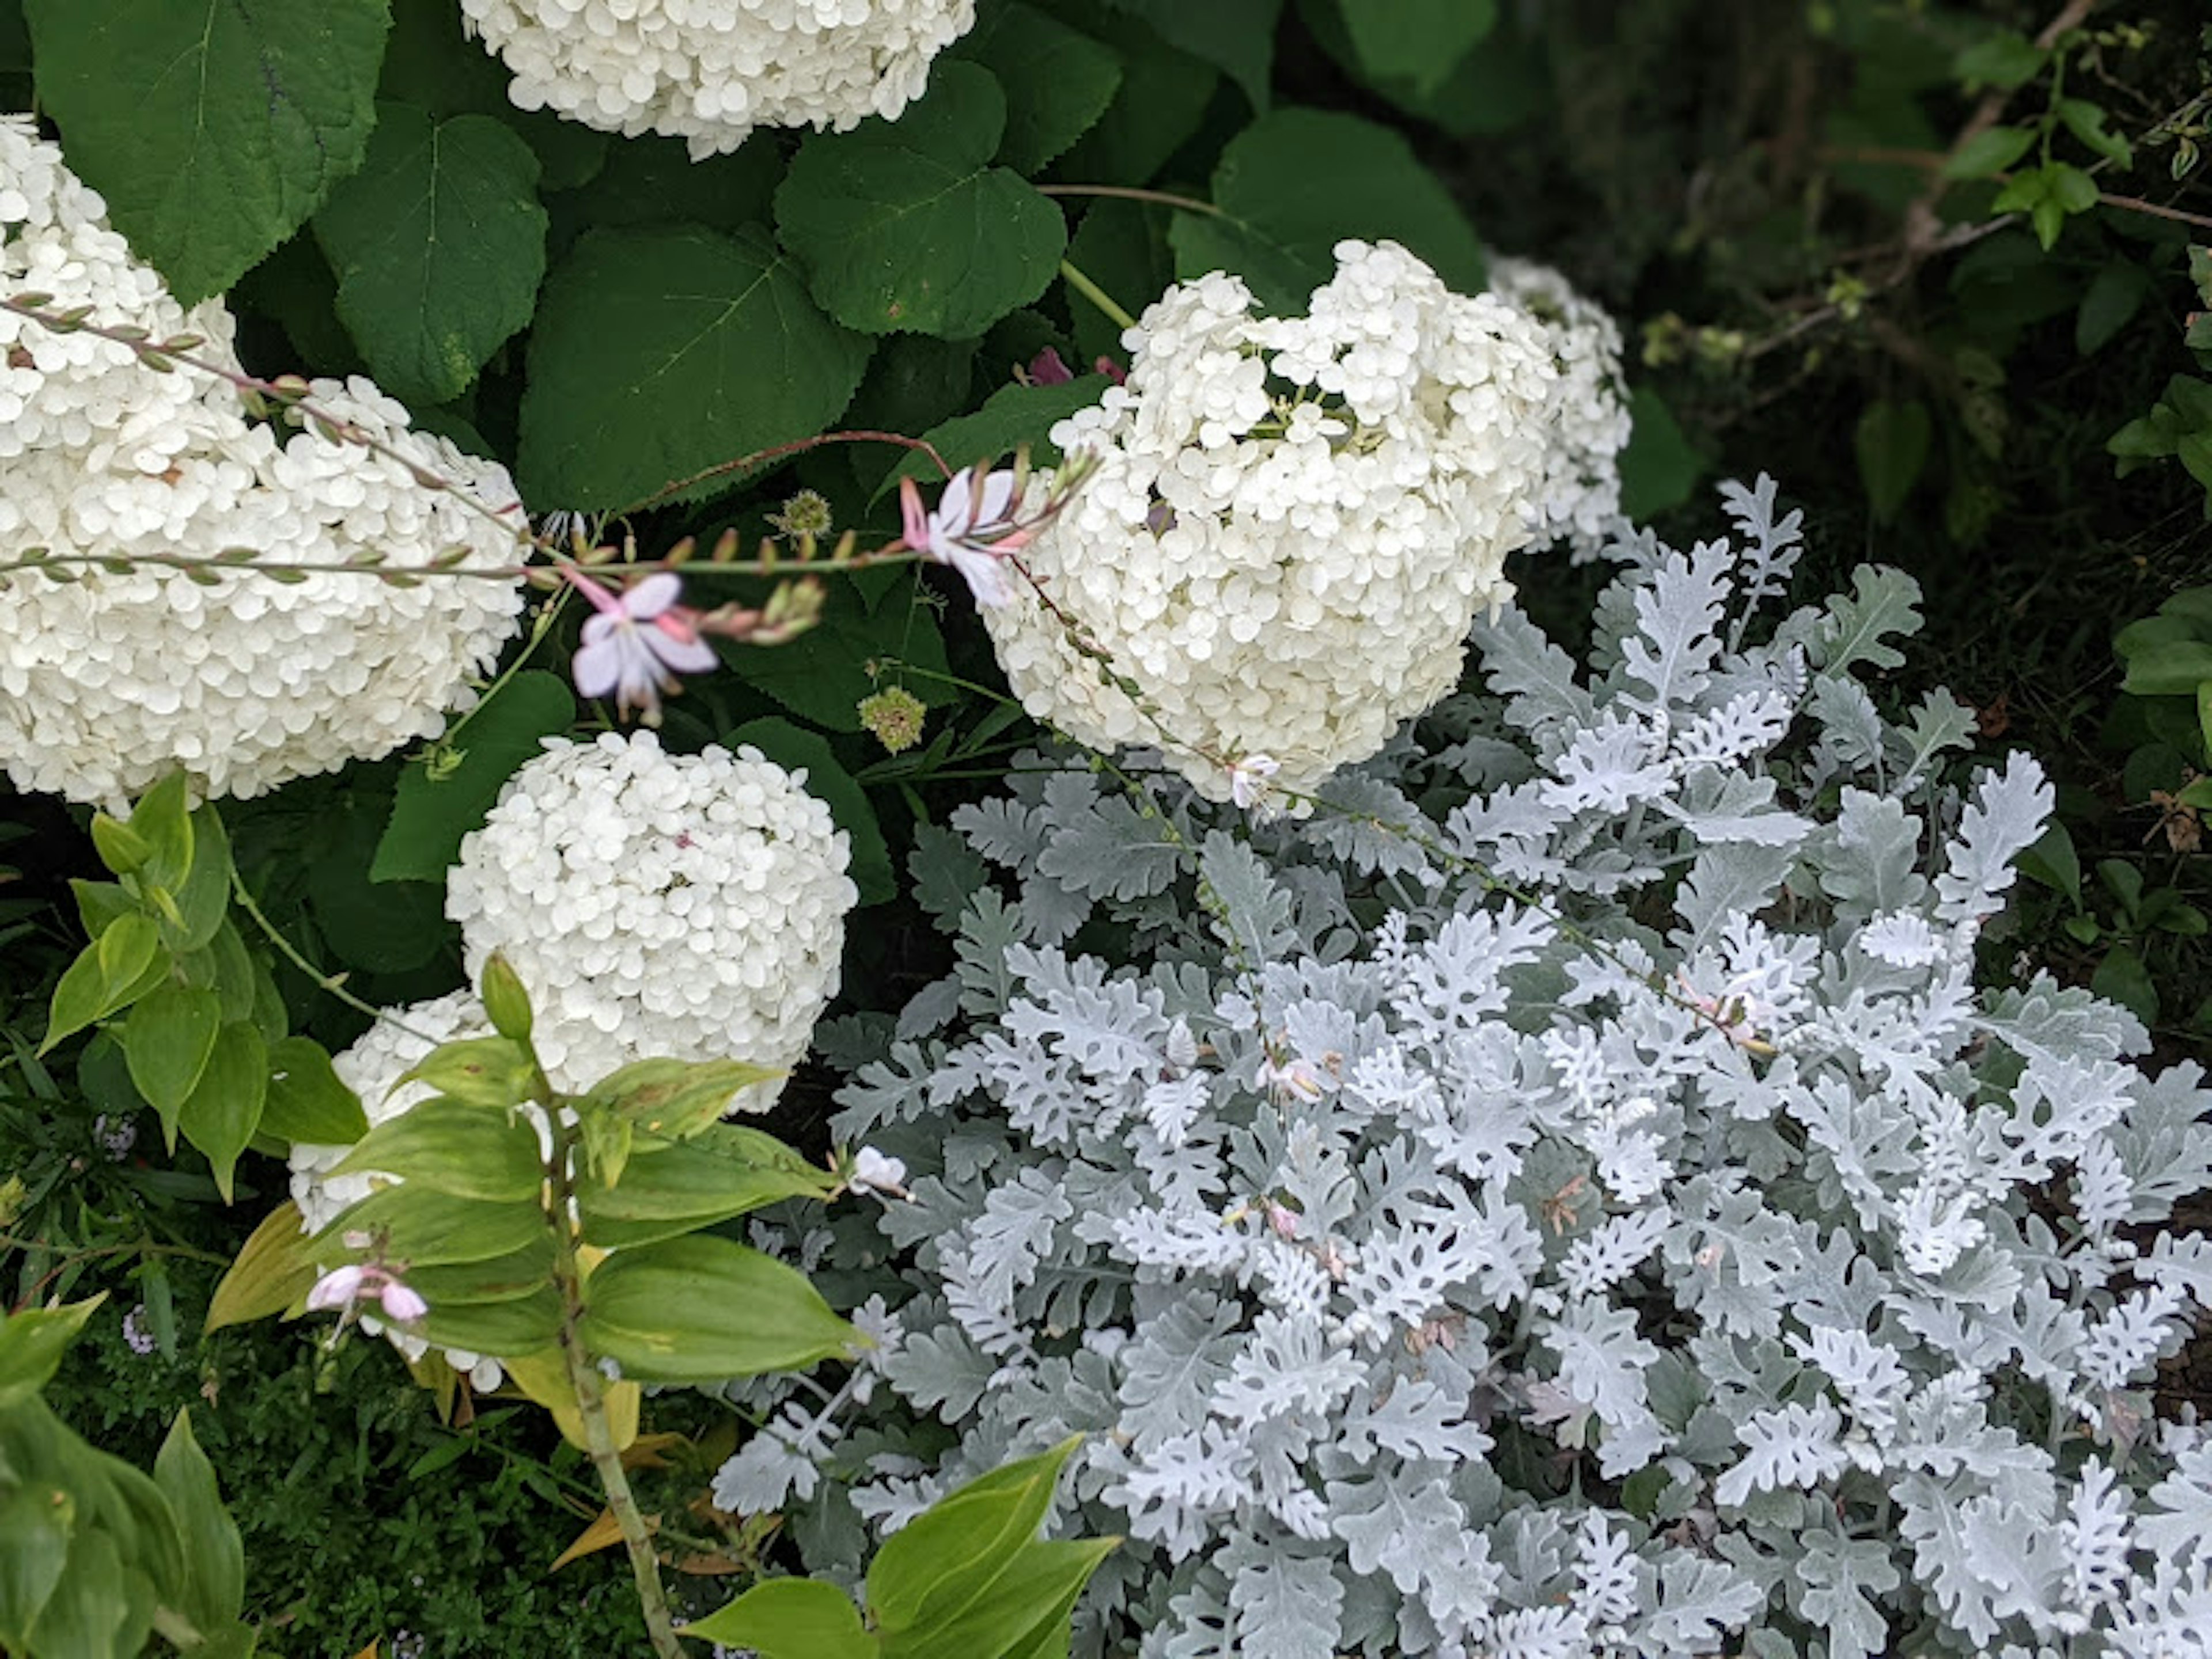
(431, 1228)
(167, 1041)
(34, 1545)
(224, 1109)
(31, 1344)
(307, 1102)
(450, 1146)
(506, 1328)
(1891, 446)
(2005, 59)
(791, 1619)
(444, 796)
(660, 353)
(215, 1557)
(726, 1171)
(1294, 183)
(105, 976)
(1022, 1613)
(905, 225)
(2085, 121)
(274, 1269)
(701, 1310)
(2170, 668)
(492, 1070)
(793, 749)
(942, 1561)
(1417, 42)
(1988, 152)
(212, 127)
(438, 245)
(202, 897)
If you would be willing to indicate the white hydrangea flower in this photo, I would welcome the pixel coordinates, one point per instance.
(689, 906)
(380, 1058)
(109, 681)
(1292, 523)
(709, 71)
(1581, 496)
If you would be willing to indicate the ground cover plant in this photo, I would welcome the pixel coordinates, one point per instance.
(1011, 827)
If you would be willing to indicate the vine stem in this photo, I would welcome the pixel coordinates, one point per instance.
(590, 1390)
(331, 984)
(1131, 193)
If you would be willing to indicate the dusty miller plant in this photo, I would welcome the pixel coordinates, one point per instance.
(1573, 1198)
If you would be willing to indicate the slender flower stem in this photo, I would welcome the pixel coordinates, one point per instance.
(1131, 193)
(331, 984)
(1097, 295)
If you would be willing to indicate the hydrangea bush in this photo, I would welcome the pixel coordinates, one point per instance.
(1574, 1198)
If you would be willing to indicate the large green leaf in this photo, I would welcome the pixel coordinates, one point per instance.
(444, 796)
(1418, 42)
(108, 973)
(35, 1533)
(438, 245)
(224, 1107)
(432, 1228)
(274, 1269)
(725, 1171)
(944, 1560)
(167, 1041)
(790, 1619)
(1011, 417)
(658, 354)
(212, 127)
(215, 1556)
(470, 1152)
(822, 675)
(1022, 1613)
(701, 1310)
(905, 225)
(1235, 36)
(31, 1344)
(1294, 183)
(308, 1102)
(1058, 81)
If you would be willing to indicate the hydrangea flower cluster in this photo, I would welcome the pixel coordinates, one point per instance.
(691, 906)
(1580, 500)
(1292, 523)
(709, 71)
(111, 679)
(1680, 1255)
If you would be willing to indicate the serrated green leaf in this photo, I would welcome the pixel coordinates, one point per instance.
(436, 806)
(224, 1109)
(1294, 183)
(701, 1310)
(167, 1042)
(660, 353)
(790, 1619)
(215, 1556)
(438, 245)
(1891, 446)
(212, 127)
(905, 225)
(1882, 601)
(1058, 81)
(449, 1146)
(793, 747)
(1011, 417)
(1418, 42)
(1235, 36)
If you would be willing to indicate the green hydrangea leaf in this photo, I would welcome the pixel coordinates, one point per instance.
(213, 128)
(1235, 36)
(448, 794)
(1417, 42)
(1058, 81)
(438, 245)
(906, 227)
(1294, 183)
(660, 353)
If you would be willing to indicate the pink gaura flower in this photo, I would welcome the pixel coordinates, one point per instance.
(341, 1287)
(1248, 781)
(639, 643)
(972, 530)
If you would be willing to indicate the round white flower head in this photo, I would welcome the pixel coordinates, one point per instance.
(709, 71)
(380, 1058)
(248, 681)
(1292, 523)
(1581, 497)
(687, 906)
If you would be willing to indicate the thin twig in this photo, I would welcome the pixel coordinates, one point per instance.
(2136, 204)
(1131, 193)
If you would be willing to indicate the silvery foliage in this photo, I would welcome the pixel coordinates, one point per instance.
(1675, 1253)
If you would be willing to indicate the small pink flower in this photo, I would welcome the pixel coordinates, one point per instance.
(341, 1287)
(972, 530)
(1048, 368)
(1282, 1219)
(638, 643)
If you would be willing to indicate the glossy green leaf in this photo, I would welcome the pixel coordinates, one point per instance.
(500, 1278)
(224, 1109)
(792, 1618)
(493, 1070)
(943, 1561)
(723, 1172)
(1295, 183)
(202, 897)
(1011, 417)
(1022, 1613)
(906, 227)
(215, 1557)
(699, 1309)
(1058, 81)
(675, 1099)
(31, 1344)
(104, 976)
(660, 353)
(507, 1327)
(506, 999)
(308, 1102)
(449, 1145)
(429, 1229)
(438, 245)
(121, 849)
(166, 1039)
(213, 128)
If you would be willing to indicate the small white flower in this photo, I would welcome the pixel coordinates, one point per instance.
(972, 529)
(1247, 780)
(879, 1173)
